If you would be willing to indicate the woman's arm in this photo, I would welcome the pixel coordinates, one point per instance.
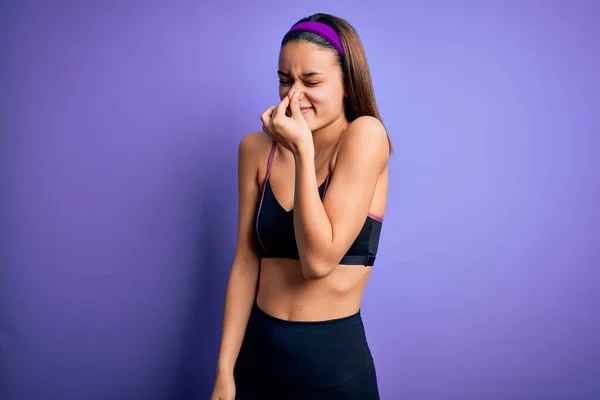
(241, 288)
(325, 230)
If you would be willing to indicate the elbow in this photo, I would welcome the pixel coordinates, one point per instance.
(313, 269)
(314, 275)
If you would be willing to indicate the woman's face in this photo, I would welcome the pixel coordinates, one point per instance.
(316, 72)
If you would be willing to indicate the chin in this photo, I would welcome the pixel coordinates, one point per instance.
(312, 124)
(316, 125)
(313, 127)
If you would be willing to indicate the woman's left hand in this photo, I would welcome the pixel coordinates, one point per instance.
(291, 132)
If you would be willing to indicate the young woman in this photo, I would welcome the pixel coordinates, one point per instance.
(313, 189)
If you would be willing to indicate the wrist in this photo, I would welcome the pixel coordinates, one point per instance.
(224, 374)
(224, 369)
(305, 148)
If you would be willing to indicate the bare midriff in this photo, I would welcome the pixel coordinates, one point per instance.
(284, 293)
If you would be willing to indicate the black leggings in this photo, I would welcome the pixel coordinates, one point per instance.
(293, 360)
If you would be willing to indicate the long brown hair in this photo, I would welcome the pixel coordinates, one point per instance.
(358, 85)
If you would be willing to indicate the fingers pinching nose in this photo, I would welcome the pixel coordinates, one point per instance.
(294, 94)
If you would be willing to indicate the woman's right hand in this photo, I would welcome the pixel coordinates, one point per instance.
(224, 388)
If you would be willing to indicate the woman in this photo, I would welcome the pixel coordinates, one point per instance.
(313, 189)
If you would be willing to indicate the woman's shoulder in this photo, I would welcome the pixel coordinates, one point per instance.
(365, 137)
(365, 130)
(254, 145)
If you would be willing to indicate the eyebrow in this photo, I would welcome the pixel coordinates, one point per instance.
(305, 75)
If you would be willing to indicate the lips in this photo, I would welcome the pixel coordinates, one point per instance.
(305, 110)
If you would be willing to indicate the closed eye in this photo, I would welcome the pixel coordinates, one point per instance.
(282, 82)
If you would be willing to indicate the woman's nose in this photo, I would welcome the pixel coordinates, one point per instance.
(292, 91)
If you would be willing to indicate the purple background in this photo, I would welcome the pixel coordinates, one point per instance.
(119, 130)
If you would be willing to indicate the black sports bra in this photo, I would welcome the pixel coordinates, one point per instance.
(274, 228)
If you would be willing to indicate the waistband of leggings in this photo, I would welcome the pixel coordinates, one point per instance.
(354, 318)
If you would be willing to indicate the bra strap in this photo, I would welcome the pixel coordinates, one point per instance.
(262, 196)
(269, 163)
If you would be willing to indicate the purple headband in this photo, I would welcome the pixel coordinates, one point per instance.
(321, 29)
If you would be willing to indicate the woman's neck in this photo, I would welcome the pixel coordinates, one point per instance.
(326, 138)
